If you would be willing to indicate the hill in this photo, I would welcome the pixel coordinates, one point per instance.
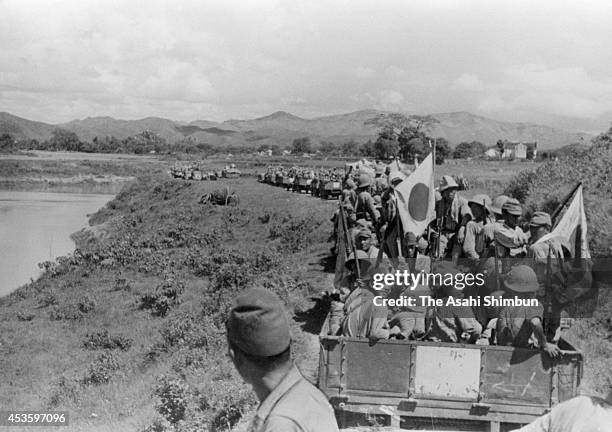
(281, 128)
(22, 128)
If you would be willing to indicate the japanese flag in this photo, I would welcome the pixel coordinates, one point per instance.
(416, 198)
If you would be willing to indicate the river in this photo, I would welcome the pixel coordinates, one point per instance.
(36, 227)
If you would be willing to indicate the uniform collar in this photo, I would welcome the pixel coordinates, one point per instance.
(286, 384)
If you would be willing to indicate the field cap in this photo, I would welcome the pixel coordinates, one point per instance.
(521, 279)
(498, 202)
(258, 324)
(448, 182)
(513, 207)
(350, 184)
(539, 219)
(396, 175)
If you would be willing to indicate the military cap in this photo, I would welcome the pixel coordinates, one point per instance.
(363, 180)
(539, 219)
(350, 184)
(498, 202)
(258, 324)
(521, 279)
(513, 207)
(377, 201)
(396, 175)
(448, 182)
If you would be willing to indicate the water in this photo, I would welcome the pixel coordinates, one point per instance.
(36, 227)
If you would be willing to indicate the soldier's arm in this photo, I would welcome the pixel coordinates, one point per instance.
(538, 330)
(469, 242)
(470, 328)
(276, 423)
(374, 214)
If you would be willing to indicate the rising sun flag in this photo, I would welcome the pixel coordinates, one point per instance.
(576, 268)
(416, 198)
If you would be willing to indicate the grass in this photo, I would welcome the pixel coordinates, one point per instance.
(155, 242)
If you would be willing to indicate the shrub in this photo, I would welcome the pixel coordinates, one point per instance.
(104, 340)
(173, 400)
(164, 297)
(67, 389)
(48, 298)
(86, 304)
(102, 369)
(25, 316)
(69, 311)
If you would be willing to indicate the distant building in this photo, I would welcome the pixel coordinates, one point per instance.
(492, 153)
(519, 150)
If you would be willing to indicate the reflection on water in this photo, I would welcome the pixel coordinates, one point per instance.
(36, 227)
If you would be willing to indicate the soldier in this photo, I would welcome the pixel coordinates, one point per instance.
(365, 208)
(452, 214)
(259, 342)
(390, 226)
(516, 324)
(362, 318)
(380, 181)
(510, 239)
(365, 243)
(451, 323)
(348, 193)
(474, 241)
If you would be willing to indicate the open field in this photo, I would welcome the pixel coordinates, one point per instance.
(136, 314)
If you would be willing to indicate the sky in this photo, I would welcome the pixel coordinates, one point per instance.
(547, 62)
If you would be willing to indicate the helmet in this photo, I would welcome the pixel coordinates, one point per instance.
(521, 279)
(361, 256)
(448, 182)
(513, 207)
(363, 180)
(498, 202)
(482, 200)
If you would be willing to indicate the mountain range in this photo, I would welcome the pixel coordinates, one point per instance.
(281, 128)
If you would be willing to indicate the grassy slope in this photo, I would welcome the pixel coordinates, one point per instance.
(167, 226)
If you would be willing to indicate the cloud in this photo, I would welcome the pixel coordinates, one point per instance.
(468, 82)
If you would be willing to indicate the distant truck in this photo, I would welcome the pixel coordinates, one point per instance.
(330, 188)
(431, 385)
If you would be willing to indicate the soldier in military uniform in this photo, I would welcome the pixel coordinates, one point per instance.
(365, 207)
(452, 214)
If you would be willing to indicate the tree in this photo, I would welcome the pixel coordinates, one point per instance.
(469, 149)
(302, 145)
(7, 143)
(367, 149)
(443, 150)
(62, 139)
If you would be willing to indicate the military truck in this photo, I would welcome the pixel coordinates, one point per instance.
(330, 188)
(430, 385)
(302, 184)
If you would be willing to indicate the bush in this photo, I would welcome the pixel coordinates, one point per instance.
(86, 305)
(104, 340)
(165, 297)
(25, 316)
(102, 369)
(69, 311)
(172, 394)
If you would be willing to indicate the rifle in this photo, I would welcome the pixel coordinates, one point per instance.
(561, 206)
(350, 240)
(548, 294)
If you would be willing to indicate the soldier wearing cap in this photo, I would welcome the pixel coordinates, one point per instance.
(365, 206)
(450, 322)
(474, 244)
(259, 346)
(520, 325)
(452, 214)
(510, 240)
(364, 242)
(380, 181)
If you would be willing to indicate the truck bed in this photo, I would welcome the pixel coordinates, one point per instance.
(431, 385)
